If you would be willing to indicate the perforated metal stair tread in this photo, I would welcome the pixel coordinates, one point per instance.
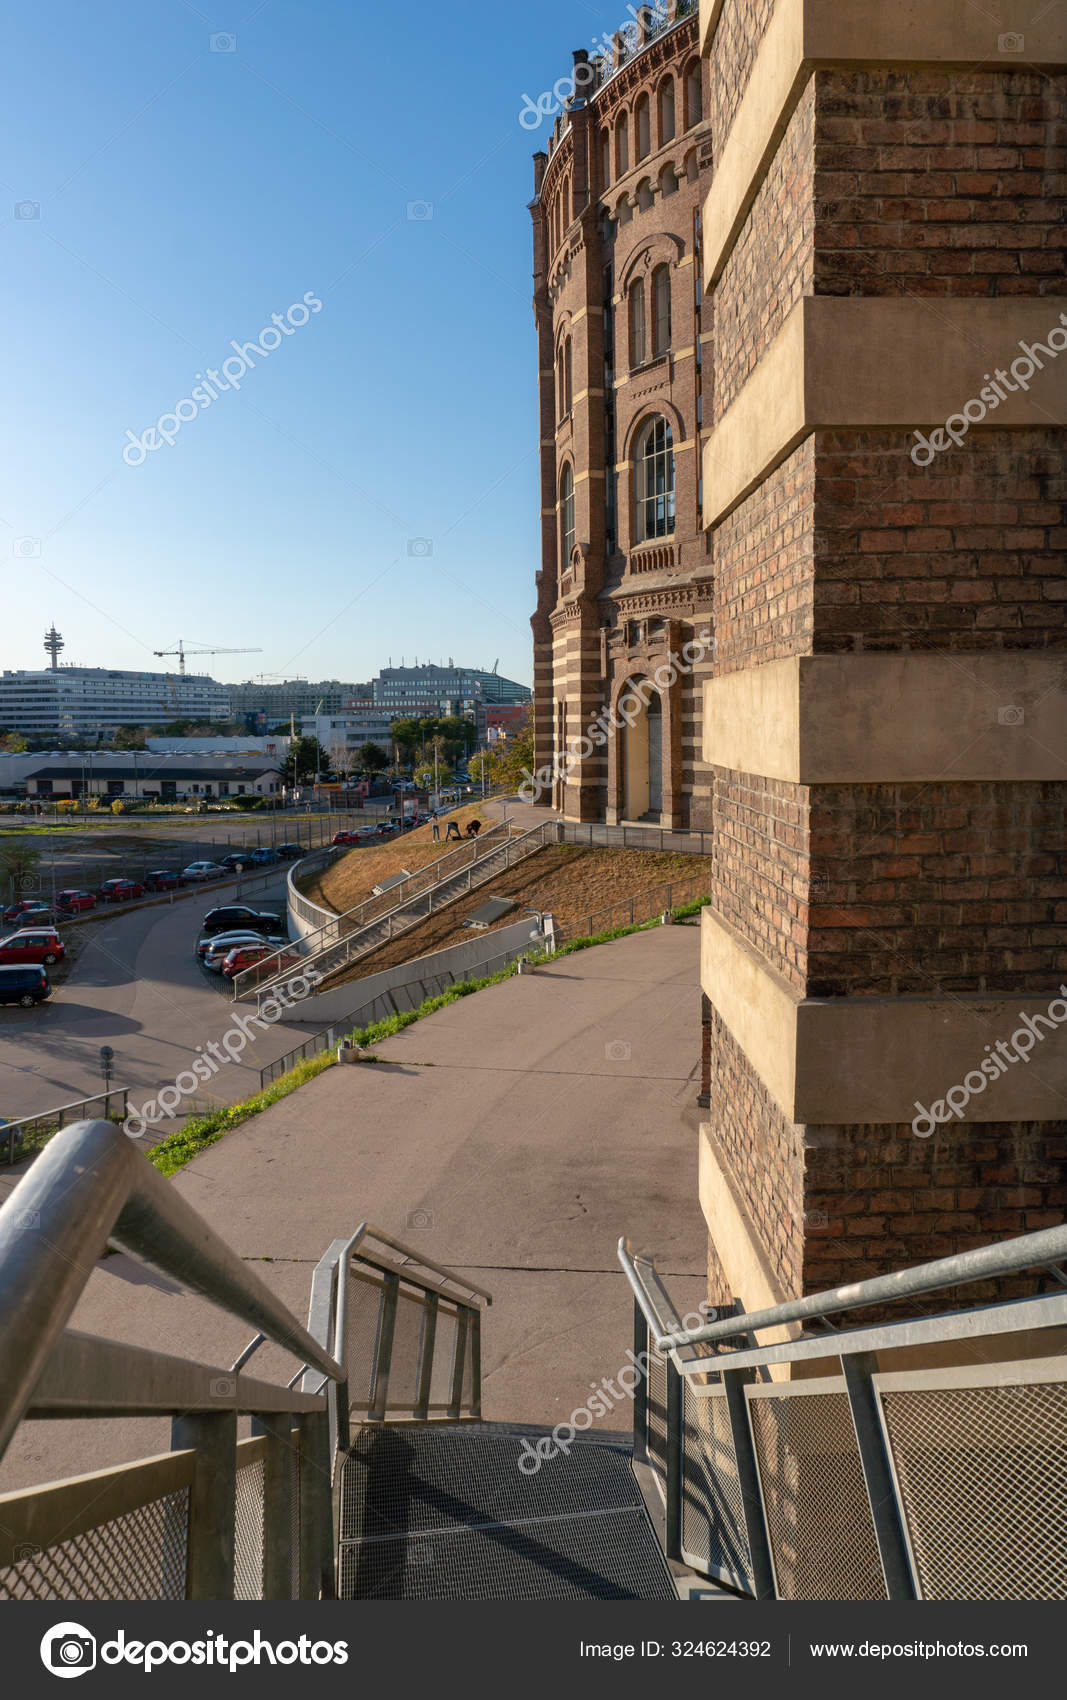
(448, 1514)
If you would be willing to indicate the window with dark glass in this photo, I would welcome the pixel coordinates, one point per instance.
(661, 310)
(655, 480)
(638, 333)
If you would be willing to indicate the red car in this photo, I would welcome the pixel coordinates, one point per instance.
(42, 945)
(253, 955)
(120, 891)
(344, 838)
(16, 911)
(162, 879)
(75, 901)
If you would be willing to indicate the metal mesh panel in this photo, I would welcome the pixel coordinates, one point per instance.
(713, 1524)
(248, 1533)
(140, 1556)
(983, 1482)
(818, 1515)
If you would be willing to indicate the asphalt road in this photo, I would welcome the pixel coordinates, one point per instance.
(137, 987)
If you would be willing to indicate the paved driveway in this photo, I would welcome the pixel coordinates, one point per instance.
(514, 1135)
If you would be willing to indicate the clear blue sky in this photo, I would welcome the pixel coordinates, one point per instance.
(187, 194)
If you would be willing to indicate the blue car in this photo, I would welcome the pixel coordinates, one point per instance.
(264, 854)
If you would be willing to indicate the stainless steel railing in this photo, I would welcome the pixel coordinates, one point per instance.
(26, 1134)
(91, 1188)
(923, 1458)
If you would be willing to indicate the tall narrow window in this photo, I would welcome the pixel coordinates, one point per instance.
(622, 145)
(661, 309)
(561, 387)
(568, 376)
(654, 478)
(566, 513)
(605, 159)
(694, 95)
(666, 111)
(642, 129)
(638, 335)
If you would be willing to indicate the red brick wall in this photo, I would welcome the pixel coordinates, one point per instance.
(937, 888)
(964, 554)
(760, 866)
(772, 264)
(764, 570)
(763, 1153)
(740, 30)
(877, 1198)
(939, 183)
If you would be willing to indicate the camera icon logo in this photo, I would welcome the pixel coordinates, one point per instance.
(27, 209)
(420, 211)
(1011, 42)
(27, 1221)
(68, 1650)
(1011, 716)
(617, 1050)
(421, 1219)
(26, 548)
(223, 1387)
(420, 548)
(224, 43)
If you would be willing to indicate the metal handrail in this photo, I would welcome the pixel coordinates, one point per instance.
(88, 1188)
(9, 1129)
(1030, 1251)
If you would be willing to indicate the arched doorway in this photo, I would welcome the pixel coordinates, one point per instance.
(643, 752)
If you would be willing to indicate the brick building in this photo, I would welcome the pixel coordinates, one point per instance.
(626, 579)
(882, 234)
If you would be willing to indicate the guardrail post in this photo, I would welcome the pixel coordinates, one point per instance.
(212, 1502)
(674, 1461)
(379, 1396)
(317, 1554)
(748, 1480)
(878, 1476)
(476, 1362)
(455, 1406)
(641, 1346)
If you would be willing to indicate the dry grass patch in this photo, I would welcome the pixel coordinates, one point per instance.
(567, 880)
(352, 877)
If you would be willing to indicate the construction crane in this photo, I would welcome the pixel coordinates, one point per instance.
(199, 649)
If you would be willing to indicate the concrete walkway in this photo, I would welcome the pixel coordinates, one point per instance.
(514, 1135)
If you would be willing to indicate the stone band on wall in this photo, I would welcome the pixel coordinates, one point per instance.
(883, 362)
(872, 1060)
(884, 719)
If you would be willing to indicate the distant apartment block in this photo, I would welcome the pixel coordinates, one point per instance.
(87, 702)
(455, 690)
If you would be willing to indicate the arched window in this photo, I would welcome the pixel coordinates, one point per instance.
(694, 95)
(568, 376)
(666, 111)
(622, 145)
(624, 212)
(668, 181)
(638, 333)
(642, 129)
(645, 197)
(566, 517)
(561, 387)
(605, 159)
(654, 480)
(661, 309)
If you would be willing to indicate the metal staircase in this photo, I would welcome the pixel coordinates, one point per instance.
(864, 1458)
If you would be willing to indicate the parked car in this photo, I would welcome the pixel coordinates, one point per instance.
(33, 945)
(74, 902)
(264, 957)
(263, 853)
(121, 891)
(162, 879)
(197, 871)
(236, 860)
(214, 951)
(231, 915)
(31, 906)
(25, 986)
(291, 851)
(343, 838)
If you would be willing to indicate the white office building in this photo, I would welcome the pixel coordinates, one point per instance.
(87, 702)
